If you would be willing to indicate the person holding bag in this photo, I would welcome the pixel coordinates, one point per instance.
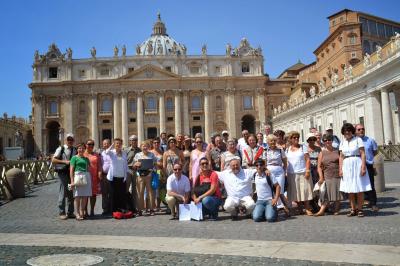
(81, 182)
(206, 190)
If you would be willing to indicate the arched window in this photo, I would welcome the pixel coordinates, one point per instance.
(151, 103)
(53, 108)
(245, 67)
(82, 107)
(218, 103)
(196, 103)
(132, 106)
(106, 105)
(352, 39)
(170, 104)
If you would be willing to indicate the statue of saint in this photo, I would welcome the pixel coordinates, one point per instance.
(123, 50)
(116, 50)
(228, 49)
(379, 53)
(18, 139)
(184, 49)
(138, 49)
(69, 53)
(93, 52)
(36, 56)
(204, 49)
(312, 91)
(321, 86)
(367, 60)
(334, 79)
(397, 40)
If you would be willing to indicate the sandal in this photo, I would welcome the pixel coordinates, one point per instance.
(360, 214)
(79, 218)
(352, 213)
(309, 213)
(152, 213)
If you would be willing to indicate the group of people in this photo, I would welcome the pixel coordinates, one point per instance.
(252, 176)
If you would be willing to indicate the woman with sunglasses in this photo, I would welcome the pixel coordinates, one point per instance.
(95, 170)
(281, 141)
(328, 169)
(298, 173)
(79, 165)
(352, 168)
(195, 156)
(206, 190)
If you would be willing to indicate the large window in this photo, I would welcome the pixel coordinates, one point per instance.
(132, 106)
(372, 27)
(352, 39)
(170, 104)
(366, 47)
(389, 31)
(53, 72)
(82, 107)
(381, 30)
(364, 25)
(104, 72)
(196, 103)
(53, 108)
(106, 105)
(248, 102)
(245, 67)
(151, 104)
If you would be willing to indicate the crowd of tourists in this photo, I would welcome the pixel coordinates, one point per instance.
(255, 176)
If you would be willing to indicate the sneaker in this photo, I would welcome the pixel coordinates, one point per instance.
(63, 217)
(71, 215)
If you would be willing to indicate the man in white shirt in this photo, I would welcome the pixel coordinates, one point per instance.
(242, 142)
(238, 185)
(178, 190)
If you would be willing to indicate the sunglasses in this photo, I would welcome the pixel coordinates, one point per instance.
(259, 165)
(359, 129)
(312, 139)
(326, 140)
(177, 169)
(70, 139)
(156, 142)
(204, 163)
(295, 137)
(90, 144)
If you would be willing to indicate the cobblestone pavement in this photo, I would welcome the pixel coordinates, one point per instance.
(17, 255)
(37, 213)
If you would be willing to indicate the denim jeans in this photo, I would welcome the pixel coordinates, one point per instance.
(265, 210)
(211, 205)
(63, 193)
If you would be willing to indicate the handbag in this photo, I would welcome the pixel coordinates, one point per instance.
(201, 189)
(80, 179)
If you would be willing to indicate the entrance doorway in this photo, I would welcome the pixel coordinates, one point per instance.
(248, 122)
(195, 130)
(106, 134)
(151, 132)
(53, 136)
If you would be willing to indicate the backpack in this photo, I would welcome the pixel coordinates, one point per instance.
(269, 181)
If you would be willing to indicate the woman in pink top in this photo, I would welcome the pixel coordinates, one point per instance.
(195, 156)
(95, 170)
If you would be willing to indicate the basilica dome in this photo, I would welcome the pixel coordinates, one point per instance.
(160, 43)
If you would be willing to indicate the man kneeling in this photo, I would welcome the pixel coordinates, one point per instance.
(238, 185)
(178, 190)
(268, 191)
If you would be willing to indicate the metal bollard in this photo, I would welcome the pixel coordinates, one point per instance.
(380, 173)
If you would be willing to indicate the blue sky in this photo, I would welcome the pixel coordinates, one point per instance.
(286, 30)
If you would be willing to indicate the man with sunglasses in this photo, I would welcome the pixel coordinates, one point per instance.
(61, 158)
(238, 184)
(371, 149)
(131, 193)
(178, 190)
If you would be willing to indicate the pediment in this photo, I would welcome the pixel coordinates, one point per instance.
(149, 72)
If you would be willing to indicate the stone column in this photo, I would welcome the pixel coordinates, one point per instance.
(373, 117)
(116, 116)
(207, 116)
(68, 113)
(162, 111)
(94, 124)
(38, 122)
(186, 124)
(387, 117)
(124, 116)
(139, 117)
(230, 115)
(261, 106)
(178, 112)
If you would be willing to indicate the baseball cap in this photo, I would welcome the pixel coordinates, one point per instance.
(225, 132)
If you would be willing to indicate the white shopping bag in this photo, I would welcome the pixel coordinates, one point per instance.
(196, 211)
(184, 212)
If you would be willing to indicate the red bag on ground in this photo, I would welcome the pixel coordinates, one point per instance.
(122, 215)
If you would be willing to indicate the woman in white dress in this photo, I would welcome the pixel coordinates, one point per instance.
(352, 168)
(298, 173)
